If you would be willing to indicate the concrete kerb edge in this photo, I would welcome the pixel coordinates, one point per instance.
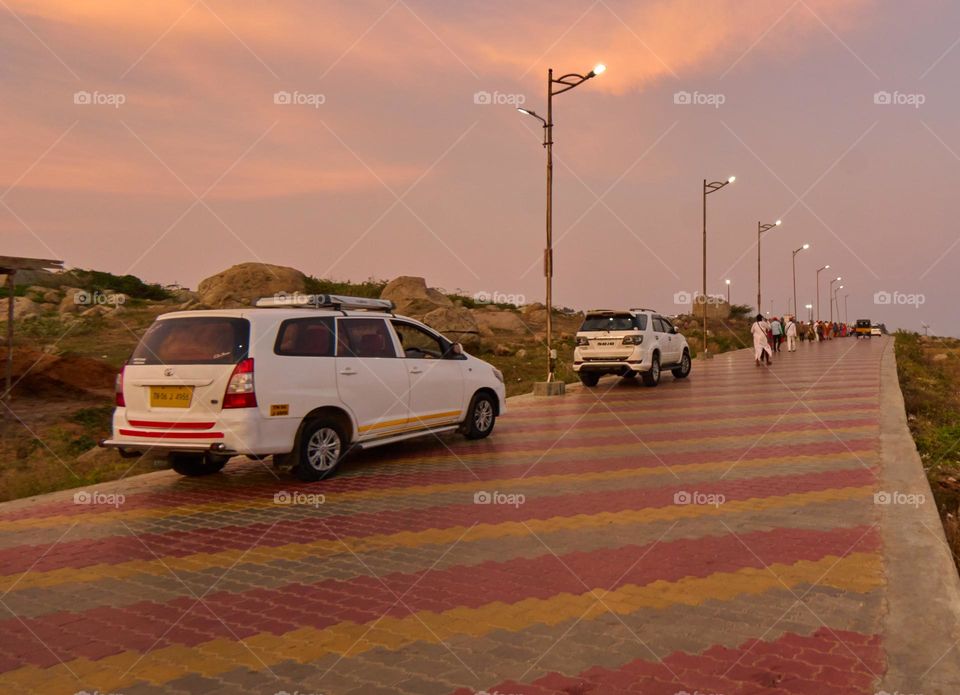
(921, 623)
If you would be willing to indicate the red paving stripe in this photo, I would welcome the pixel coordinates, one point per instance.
(376, 474)
(101, 631)
(827, 661)
(117, 549)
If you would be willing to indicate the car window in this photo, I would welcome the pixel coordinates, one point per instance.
(608, 322)
(310, 337)
(641, 321)
(194, 340)
(418, 343)
(658, 325)
(667, 326)
(364, 338)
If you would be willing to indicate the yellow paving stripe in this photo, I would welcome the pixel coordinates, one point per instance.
(858, 573)
(409, 539)
(133, 515)
(662, 447)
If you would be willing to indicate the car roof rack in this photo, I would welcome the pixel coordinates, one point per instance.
(336, 302)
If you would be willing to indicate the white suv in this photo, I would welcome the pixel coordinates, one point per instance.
(628, 343)
(302, 378)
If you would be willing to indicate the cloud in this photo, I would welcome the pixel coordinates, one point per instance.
(198, 78)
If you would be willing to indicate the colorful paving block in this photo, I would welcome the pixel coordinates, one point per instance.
(712, 535)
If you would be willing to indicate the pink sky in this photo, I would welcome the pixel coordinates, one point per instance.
(399, 171)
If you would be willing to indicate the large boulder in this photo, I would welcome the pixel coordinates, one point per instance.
(411, 296)
(240, 285)
(456, 323)
(501, 323)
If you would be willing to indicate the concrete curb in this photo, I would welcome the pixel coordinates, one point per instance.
(921, 626)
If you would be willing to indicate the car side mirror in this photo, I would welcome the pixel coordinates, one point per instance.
(674, 330)
(455, 351)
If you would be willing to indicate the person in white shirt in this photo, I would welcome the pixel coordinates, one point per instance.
(761, 346)
(791, 334)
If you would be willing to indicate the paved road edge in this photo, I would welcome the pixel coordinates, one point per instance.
(923, 590)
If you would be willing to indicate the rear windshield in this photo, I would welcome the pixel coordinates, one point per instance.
(863, 323)
(615, 322)
(195, 340)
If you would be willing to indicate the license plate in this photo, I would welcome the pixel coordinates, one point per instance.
(171, 396)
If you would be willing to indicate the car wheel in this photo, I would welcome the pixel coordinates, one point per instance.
(652, 376)
(590, 379)
(319, 451)
(683, 371)
(194, 465)
(481, 417)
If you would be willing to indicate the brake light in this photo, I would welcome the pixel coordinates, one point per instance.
(118, 389)
(582, 341)
(240, 392)
(632, 339)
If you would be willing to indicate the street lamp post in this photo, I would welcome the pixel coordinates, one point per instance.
(728, 293)
(809, 308)
(836, 300)
(794, 263)
(831, 296)
(826, 267)
(555, 86)
(846, 316)
(761, 228)
(708, 188)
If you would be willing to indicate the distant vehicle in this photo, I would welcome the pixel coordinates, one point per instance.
(629, 343)
(876, 331)
(864, 328)
(303, 378)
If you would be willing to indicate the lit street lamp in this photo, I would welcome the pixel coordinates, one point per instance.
(826, 267)
(836, 300)
(708, 188)
(728, 292)
(809, 308)
(830, 295)
(554, 87)
(761, 228)
(794, 262)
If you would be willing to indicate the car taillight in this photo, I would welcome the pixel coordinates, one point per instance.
(118, 389)
(240, 393)
(582, 342)
(632, 339)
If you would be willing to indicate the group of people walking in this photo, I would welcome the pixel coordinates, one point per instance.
(770, 334)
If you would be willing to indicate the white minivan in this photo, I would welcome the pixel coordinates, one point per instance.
(303, 378)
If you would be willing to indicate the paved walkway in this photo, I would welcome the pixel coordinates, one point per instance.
(715, 535)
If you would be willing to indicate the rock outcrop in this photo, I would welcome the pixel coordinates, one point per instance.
(240, 285)
(411, 297)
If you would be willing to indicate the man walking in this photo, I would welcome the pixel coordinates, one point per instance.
(777, 329)
(791, 334)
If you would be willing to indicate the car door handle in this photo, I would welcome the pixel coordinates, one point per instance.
(416, 370)
(348, 371)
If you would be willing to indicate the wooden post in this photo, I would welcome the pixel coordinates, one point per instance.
(9, 380)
